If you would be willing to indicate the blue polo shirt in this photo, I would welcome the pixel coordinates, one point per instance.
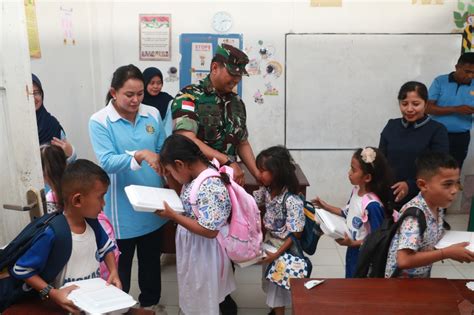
(113, 138)
(447, 92)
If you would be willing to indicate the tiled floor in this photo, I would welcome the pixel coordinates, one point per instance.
(328, 262)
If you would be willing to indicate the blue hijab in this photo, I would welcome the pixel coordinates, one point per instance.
(160, 101)
(48, 125)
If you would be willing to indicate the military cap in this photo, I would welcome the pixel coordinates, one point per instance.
(234, 59)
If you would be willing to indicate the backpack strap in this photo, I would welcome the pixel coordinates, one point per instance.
(62, 248)
(369, 198)
(209, 172)
(410, 212)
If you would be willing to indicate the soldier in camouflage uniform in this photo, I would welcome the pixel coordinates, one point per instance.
(213, 115)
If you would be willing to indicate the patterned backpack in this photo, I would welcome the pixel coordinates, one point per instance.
(242, 240)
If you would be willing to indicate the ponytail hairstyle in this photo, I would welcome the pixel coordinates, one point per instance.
(53, 162)
(179, 147)
(373, 162)
(278, 161)
(122, 75)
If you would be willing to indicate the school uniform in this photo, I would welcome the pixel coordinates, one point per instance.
(204, 271)
(360, 222)
(408, 237)
(279, 224)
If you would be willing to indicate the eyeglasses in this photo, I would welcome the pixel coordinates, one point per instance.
(37, 93)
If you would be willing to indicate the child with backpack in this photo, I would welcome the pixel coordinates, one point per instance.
(368, 204)
(204, 270)
(283, 215)
(411, 252)
(53, 162)
(71, 246)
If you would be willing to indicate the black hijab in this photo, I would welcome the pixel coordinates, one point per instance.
(159, 101)
(48, 125)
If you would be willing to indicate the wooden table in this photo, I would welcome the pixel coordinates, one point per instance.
(38, 307)
(383, 296)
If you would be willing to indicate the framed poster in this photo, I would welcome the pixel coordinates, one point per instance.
(155, 36)
(197, 51)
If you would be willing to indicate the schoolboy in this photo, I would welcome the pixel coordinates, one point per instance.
(83, 186)
(412, 255)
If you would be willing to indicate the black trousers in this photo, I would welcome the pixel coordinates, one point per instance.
(149, 268)
(459, 145)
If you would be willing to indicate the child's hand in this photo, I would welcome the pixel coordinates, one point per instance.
(168, 212)
(114, 279)
(318, 202)
(59, 296)
(400, 190)
(63, 144)
(459, 252)
(270, 257)
(152, 158)
(346, 241)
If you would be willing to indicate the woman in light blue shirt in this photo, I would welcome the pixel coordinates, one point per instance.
(127, 137)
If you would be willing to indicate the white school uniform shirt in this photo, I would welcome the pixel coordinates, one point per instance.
(356, 217)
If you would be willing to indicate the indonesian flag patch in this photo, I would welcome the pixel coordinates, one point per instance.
(187, 105)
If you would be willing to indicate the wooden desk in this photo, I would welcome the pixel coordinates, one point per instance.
(38, 307)
(382, 296)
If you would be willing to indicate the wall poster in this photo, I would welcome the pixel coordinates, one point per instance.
(155, 36)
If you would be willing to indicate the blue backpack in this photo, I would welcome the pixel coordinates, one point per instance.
(311, 232)
(13, 289)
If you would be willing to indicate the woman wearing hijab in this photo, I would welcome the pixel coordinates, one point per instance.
(155, 97)
(49, 128)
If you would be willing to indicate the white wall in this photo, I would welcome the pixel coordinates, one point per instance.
(76, 78)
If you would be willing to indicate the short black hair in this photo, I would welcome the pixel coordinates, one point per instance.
(413, 86)
(80, 176)
(428, 163)
(466, 58)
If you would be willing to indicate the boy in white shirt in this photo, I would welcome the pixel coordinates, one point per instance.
(83, 187)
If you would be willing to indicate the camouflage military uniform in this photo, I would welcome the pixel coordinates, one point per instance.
(218, 121)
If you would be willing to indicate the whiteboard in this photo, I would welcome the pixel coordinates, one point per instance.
(341, 89)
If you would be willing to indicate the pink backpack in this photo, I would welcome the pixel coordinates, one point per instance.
(109, 229)
(242, 240)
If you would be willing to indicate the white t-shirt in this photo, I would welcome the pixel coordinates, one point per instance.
(356, 217)
(84, 261)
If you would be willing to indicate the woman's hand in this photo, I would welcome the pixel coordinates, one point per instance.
(400, 190)
(63, 144)
(59, 296)
(167, 212)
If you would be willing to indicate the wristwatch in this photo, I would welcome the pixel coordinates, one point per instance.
(44, 293)
(230, 160)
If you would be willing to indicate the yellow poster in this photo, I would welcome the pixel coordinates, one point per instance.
(326, 3)
(32, 29)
